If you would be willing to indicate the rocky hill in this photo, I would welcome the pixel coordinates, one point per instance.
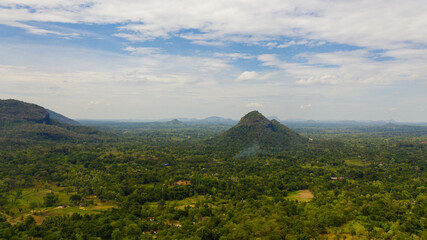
(255, 133)
(22, 122)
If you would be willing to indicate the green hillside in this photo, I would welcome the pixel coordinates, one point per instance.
(14, 110)
(61, 118)
(255, 133)
(23, 122)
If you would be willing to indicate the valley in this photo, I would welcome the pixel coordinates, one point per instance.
(254, 179)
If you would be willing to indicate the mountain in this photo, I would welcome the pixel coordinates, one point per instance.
(255, 133)
(61, 118)
(23, 122)
(15, 111)
(274, 118)
(217, 120)
(174, 122)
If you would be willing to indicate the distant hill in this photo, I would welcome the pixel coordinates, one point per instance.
(254, 133)
(61, 118)
(213, 120)
(217, 120)
(174, 122)
(21, 121)
(274, 118)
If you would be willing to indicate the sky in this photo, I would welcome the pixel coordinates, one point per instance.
(155, 59)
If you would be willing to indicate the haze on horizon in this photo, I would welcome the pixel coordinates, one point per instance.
(319, 60)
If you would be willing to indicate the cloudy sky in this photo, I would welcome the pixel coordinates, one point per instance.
(151, 59)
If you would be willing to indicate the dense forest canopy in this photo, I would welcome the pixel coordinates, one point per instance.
(191, 181)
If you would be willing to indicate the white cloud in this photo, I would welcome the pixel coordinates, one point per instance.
(306, 106)
(291, 43)
(269, 59)
(153, 76)
(41, 31)
(309, 43)
(56, 64)
(139, 32)
(271, 44)
(248, 75)
(254, 105)
(234, 56)
(252, 76)
(388, 25)
(142, 50)
(208, 43)
(353, 67)
(322, 80)
(373, 24)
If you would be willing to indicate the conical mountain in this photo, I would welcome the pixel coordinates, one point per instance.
(255, 128)
(255, 133)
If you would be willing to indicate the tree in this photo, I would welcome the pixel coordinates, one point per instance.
(76, 199)
(204, 233)
(29, 222)
(32, 206)
(50, 199)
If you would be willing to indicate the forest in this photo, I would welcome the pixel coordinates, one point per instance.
(183, 182)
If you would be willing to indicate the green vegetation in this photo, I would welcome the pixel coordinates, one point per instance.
(60, 118)
(13, 110)
(177, 182)
(25, 123)
(255, 134)
(301, 195)
(356, 162)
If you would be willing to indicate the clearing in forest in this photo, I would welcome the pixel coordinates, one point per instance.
(181, 183)
(19, 204)
(301, 195)
(356, 162)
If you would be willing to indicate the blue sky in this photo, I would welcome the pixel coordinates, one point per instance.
(320, 60)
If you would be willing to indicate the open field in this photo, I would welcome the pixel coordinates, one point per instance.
(301, 195)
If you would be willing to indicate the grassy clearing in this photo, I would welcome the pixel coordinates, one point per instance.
(18, 207)
(356, 162)
(36, 195)
(180, 204)
(301, 195)
(97, 208)
(39, 219)
(191, 201)
(181, 183)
